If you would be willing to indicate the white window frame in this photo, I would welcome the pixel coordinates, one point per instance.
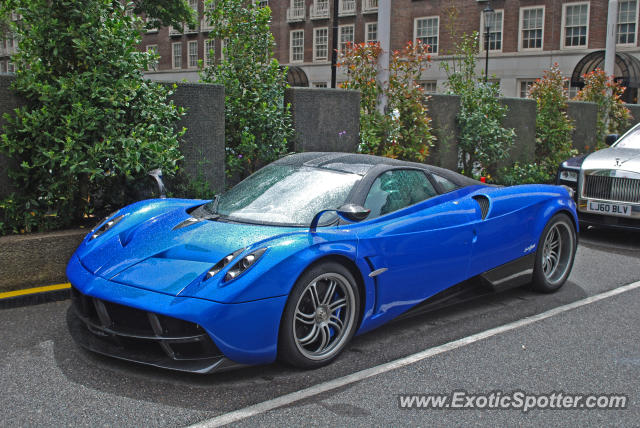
(635, 42)
(563, 29)
(320, 84)
(291, 47)
(173, 55)
(340, 31)
(209, 52)
(423, 84)
(190, 64)
(366, 32)
(482, 31)
(521, 16)
(153, 66)
(317, 58)
(415, 31)
(529, 80)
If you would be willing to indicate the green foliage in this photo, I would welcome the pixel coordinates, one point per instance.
(257, 123)
(483, 141)
(165, 12)
(404, 130)
(613, 116)
(553, 132)
(528, 173)
(92, 125)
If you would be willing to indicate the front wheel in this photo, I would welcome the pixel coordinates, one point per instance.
(320, 316)
(555, 254)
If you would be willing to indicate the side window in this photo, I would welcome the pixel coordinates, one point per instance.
(446, 185)
(398, 189)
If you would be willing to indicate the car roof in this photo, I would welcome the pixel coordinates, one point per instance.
(362, 164)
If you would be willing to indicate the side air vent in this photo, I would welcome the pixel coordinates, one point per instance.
(483, 201)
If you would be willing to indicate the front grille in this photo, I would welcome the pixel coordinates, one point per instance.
(612, 188)
(142, 332)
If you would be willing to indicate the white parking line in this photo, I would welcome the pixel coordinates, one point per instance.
(287, 399)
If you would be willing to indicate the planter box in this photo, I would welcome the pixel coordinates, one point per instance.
(36, 259)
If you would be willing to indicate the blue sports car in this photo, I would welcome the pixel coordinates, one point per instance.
(302, 255)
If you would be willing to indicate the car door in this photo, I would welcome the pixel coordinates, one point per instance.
(421, 238)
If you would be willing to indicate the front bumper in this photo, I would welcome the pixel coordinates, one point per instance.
(179, 333)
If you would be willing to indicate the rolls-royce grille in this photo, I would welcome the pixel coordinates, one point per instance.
(612, 188)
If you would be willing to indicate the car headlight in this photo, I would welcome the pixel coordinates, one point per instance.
(222, 263)
(243, 264)
(568, 175)
(106, 226)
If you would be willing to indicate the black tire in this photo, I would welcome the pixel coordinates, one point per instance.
(549, 272)
(319, 318)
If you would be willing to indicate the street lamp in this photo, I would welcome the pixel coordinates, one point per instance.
(489, 16)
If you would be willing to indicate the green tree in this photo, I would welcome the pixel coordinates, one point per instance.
(92, 124)
(403, 131)
(257, 122)
(483, 141)
(613, 116)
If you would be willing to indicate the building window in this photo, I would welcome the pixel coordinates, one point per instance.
(177, 54)
(346, 37)
(11, 67)
(209, 52)
(429, 86)
(320, 44)
(426, 30)
(193, 54)
(525, 85)
(627, 17)
(320, 84)
(371, 32)
(297, 46)
(261, 3)
(3, 67)
(576, 19)
(531, 27)
(495, 32)
(153, 63)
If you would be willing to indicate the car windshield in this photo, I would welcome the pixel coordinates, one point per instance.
(631, 140)
(285, 195)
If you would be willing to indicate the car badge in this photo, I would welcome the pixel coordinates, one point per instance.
(618, 163)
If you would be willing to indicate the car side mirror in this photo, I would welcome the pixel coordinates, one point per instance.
(349, 212)
(611, 138)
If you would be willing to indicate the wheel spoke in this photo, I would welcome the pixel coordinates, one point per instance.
(313, 290)
(325, 335)
(336, 323)
(305, 318)
(337, 305)
(311, 337)
(331, 289)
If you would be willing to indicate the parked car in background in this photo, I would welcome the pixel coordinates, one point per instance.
(607, 182)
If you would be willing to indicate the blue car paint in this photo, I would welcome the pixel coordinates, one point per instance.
(426, 247)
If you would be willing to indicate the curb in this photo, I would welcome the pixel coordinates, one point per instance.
(35, 296)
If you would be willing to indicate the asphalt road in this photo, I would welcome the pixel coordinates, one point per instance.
(46, 380)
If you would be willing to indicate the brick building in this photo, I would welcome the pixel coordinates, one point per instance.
(527, 37)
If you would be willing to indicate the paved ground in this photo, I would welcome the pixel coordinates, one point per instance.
(46, 380)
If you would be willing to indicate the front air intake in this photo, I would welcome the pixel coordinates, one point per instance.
(484, 204)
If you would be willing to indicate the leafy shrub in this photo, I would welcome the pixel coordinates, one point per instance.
(483, 141)
(403, 131)
(553, 132)
(603, 90)
(257, 123)
(92, 124)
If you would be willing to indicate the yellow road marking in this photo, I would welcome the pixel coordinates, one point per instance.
(34, 290)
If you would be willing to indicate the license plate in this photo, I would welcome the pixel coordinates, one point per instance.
(607, 208)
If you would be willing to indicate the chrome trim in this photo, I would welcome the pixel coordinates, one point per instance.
(378, 272)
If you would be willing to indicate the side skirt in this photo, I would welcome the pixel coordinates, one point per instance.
(513, 274)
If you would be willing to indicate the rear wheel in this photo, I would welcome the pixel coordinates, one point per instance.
(555, 254)
(320, 316)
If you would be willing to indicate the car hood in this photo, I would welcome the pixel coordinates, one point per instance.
(156, 255)
(613, 158)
